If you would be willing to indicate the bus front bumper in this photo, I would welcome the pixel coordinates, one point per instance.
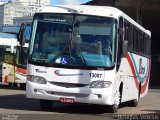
(101, 96)
(20, 77)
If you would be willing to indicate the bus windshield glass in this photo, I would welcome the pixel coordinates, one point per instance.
(73, 40)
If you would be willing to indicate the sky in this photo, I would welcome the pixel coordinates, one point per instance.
(56, 2)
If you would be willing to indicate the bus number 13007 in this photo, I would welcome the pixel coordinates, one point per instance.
(95, 75)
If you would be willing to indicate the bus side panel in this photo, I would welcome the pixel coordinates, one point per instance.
(140, 68)
(134, 72)
(124, 76)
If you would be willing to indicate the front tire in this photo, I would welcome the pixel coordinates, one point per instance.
(133, 103)
(46, 104)
(23, 86)
(12, 85)
(114, 108)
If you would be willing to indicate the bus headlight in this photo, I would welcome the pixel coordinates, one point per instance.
(100, 84)
(36, 79)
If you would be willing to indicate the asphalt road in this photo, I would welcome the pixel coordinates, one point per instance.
(15, 106)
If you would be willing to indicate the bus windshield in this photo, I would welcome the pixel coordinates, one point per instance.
(73, 40)
(8, 57)
(21, 56)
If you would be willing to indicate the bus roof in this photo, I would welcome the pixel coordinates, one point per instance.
(8, 40)
(105, 11)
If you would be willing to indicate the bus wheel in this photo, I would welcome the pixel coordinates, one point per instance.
(22, 86)
(12, 84)
(46, 104)
(114, 108)
(133, 103)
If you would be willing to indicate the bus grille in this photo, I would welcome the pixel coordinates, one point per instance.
(66, 94)
(68, 85)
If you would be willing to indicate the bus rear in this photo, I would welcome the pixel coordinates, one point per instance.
(8, 71)
(7, 44)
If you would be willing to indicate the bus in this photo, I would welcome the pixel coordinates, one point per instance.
(21, 56)
(14, 59)
(8, 68)
(77, 55)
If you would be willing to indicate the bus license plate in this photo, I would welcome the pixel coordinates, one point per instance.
(66, 100)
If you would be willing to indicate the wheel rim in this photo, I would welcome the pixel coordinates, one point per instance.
(117, 99)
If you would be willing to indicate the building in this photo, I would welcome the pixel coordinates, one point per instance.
(17, 21)
(3, 1)
(32, 5)
(19, 8)
(8, 12)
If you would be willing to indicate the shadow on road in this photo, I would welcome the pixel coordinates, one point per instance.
(10, 87)
(153, 111)
(20, 102)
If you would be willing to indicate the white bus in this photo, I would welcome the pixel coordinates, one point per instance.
(87, 54)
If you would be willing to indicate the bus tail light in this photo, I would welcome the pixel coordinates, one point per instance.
(36, 79)
(100, 84)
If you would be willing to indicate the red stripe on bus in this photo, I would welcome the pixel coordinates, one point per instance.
(133, 71)
(144, 86)
(6, 79)
(24, 71)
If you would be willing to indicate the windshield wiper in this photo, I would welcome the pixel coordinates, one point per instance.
(63, 50)
(59, 54)
(81, 56)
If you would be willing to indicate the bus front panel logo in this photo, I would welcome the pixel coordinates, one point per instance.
(61, 73)
(141, 67)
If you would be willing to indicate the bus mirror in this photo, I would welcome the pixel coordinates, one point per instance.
(27, 32)
(20, 35)
(24, 34)
(124, 48)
